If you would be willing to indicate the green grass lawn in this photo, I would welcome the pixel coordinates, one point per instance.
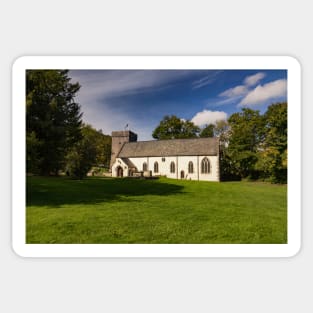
(108, 210)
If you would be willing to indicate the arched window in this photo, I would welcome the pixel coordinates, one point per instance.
(205, 166)
(190, 167)
(144, 166)
(156, 167)
(172, 167)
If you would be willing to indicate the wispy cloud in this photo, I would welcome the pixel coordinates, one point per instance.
(254, 79)
(206, 117)
(100, 87)
(102, 84)
(108, 120)
(206, 80)
(242, 90)
(105, 118)
(224, 101)
(269, 91)
(234, 92)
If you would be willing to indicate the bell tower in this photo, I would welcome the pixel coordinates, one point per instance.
(118, 140)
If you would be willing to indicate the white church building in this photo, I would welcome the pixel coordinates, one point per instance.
(191, 159)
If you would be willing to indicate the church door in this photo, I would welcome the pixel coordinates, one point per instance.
(182, 174)
(119, 172)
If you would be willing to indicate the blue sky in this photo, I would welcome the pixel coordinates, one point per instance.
(110, 99)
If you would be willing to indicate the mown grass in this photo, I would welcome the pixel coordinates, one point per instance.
(107, 210)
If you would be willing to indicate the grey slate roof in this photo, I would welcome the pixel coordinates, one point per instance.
(171, 147)
(128, 162)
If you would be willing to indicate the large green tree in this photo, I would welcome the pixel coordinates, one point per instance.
(172, 127)
(247, 133)
(93, 149)
(101, 142)
(53, 119)
(272, 161)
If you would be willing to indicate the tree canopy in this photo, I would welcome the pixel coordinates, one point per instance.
(53, 119)
(257, 144)
(207, 131)
(273, 152)
(246, 134)
(172, 127)
(93, 149)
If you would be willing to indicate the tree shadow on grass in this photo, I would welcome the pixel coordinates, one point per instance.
(57, 191)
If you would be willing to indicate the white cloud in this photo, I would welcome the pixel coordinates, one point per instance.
(234, 92)
(250, 95)
(208, 117)
(254, 79)
(242, 90)
(260, 94)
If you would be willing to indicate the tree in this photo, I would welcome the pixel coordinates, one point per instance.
(103, 146)
(207, 131)
(82, 155)
(91, 150)
(246, 136)
(172, 127)
(221, 130)
(101, 143)
(53, 119)
(32, 152)
(276, 126)
(272, 161)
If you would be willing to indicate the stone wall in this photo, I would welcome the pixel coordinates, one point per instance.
(118, 139)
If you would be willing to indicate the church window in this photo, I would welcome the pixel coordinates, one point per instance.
(205, 166)
(156, 167)
(144, 166)
(172, 167)
(190, 167)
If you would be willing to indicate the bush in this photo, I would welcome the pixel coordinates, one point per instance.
(77, 165)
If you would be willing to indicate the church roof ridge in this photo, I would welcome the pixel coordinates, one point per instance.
(171, 139)
(170, 147)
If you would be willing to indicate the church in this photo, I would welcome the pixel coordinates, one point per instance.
(191, 159)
